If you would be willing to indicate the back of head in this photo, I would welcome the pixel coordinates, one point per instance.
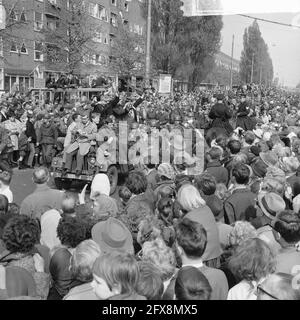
(5, 177)
(206, 183)
(136, 182)
(215, 153)
(118, 268)
(234, 146)
(189, 198)
(150, 284)
(191, 237)
(40, 175)
(249, 137)
(241, 173)
(288, 225)
(279, 286)
(191, 284)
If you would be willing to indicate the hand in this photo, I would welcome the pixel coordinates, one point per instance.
(39, 263)
(29, 139)
(81, 195)
(37, 144)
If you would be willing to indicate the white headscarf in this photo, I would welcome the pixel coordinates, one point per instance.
(49, 223)
(100, 184)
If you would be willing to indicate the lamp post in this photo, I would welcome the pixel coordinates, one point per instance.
(231, 64)
(148, 45)
(252, 66)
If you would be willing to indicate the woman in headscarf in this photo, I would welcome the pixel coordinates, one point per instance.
(49, 223)
(101, 205)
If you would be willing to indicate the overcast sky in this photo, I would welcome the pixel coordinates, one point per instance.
(283, 42)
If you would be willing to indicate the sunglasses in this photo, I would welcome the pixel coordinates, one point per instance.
(260, 289)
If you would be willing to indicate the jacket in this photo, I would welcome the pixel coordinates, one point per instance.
(216, 169)
(47, 135)
(220, 114)
(30, 131)
(240, 206)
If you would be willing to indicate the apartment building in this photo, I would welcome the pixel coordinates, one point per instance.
(31, 23)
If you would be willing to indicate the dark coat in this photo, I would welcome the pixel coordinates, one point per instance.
(240, 206)
(30, 131)
(216, 169)
(220, 114)
(243, 120)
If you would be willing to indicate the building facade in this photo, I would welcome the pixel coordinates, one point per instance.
(224, 60)
(31, 26)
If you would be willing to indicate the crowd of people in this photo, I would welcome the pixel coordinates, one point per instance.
(230, 232)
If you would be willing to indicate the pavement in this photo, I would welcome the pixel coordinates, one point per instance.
(22, 185)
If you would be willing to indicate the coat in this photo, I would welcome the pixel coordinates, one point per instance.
(216, 169)
(240, 206)
(220, 114)
(83, 142)
(243, 120)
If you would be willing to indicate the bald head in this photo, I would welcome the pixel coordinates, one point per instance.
(41, 175)
(280, 286)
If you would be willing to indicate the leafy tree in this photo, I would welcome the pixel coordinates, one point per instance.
(128, 53)
(255, 55)
(183, 46)
(71, 42)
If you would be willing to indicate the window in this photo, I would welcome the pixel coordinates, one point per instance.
(105, 40)
(13, 15)
(51, 25)
(102, 13)
(113, 20)
(114, 2)
(23, 16)
(13, 47)
(38, 48)
(112, 40)
(38, 21)
(126, 6)
(98, 37)
(23, 49)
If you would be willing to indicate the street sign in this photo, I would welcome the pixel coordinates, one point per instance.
(230, 7)
(165, 84)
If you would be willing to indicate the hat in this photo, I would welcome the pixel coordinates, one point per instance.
(259, 133)
(259, 168)
(269, 158)
(290, 164)
(165, 169)
(220, 96)
(112, 235)
(270, 204)
(276, 174)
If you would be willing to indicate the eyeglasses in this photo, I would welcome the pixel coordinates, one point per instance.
(260, 289)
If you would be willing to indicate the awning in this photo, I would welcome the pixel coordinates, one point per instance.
(17, 72)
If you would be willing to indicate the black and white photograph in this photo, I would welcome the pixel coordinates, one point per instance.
(150, 152)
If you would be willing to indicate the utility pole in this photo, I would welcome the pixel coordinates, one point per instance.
(148, 45)
(231, 61)
(260, 74)
(252, 65)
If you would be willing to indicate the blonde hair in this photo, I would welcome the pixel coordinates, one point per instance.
(296, 204)
(190, 198)
(83, 258)
(158, 253)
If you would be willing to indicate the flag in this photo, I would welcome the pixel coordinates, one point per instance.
(229, 7)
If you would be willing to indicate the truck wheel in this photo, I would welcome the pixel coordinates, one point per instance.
(62, 184)
(112, 174)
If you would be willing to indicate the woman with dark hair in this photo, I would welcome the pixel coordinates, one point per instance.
(70, 231)
(251, 263)
(191, 284)
(138, 207)
(20, 236)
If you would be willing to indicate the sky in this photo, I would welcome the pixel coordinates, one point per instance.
(283, 42)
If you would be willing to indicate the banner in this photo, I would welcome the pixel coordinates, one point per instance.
(229, 7)
(165, 84)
